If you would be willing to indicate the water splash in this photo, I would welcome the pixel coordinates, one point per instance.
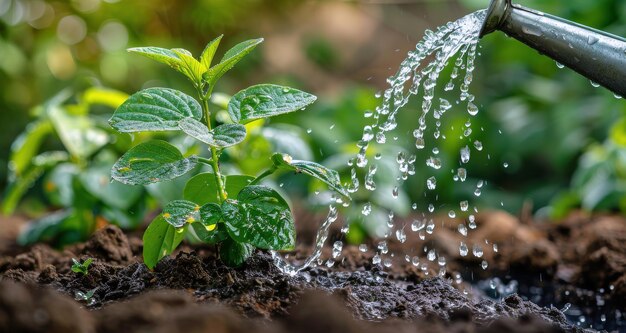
(419, 73)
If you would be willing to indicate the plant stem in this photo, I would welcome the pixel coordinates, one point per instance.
(214, 158)
(206, 161)
(263, 175)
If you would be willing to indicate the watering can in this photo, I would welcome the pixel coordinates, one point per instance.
(595, 54)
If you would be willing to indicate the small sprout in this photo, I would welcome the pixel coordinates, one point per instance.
(83, 268)
(86, 297)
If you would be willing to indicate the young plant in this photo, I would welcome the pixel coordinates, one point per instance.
(82, 268)
(234, 211)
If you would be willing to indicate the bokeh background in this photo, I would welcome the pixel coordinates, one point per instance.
(563, 141)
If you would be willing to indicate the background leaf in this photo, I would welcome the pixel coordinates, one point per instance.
(266, 100)
(151, 162)
(96, 181)
(260, 217)
(26, 145)
(79, 134)
(155, 109)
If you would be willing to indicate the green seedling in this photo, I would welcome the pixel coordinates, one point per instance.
(235, 212)
(82, 268)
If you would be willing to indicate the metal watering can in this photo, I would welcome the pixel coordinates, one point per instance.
(595, 54)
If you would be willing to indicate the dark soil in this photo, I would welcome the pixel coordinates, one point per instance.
(194, 292)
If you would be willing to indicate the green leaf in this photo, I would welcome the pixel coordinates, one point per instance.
(202, 189)
(151, 162)
(260, 217)
(59, 228)
(210, 214)
(210, 234)
(161, 55)
(79, 133)
(209, 51)
(179, 212)
(266, 100)
(155, 109)
(26, 146)
(230, 59)
(328, 176)
(58, 186)
(96, 181)
(43, 229)
(18, 186)
(233, 253)
(222, 136)
(104, 96)
(160, 239)
(189, 66)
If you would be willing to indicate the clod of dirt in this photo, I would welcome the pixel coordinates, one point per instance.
(28, 308)
(109, 244)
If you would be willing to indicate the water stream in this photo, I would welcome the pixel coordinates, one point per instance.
(419, 74)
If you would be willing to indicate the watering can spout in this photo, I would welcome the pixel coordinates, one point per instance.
(595, 54)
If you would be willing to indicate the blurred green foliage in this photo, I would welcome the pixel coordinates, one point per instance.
(554, 130)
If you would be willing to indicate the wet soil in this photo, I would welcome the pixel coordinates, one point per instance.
(193, 291)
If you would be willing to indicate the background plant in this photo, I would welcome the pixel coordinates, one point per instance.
(67, 150)
(233, 211)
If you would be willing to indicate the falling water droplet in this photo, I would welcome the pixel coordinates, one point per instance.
(418, 225)
(434, 162)
(478, 145)
(401, 235)
(430, 227)
(464, 205)
(465, 154)
(462, 173)
(367, 209)
(363, 248)
(472, 222)
(477, 251)
(472, 109)
(431, 255)
(463, 250)
(462, 229)
(431, 183)
(394, 192)
(368, 134)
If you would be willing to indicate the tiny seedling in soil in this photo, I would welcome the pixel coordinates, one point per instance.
(235, 212)
(83, 268)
